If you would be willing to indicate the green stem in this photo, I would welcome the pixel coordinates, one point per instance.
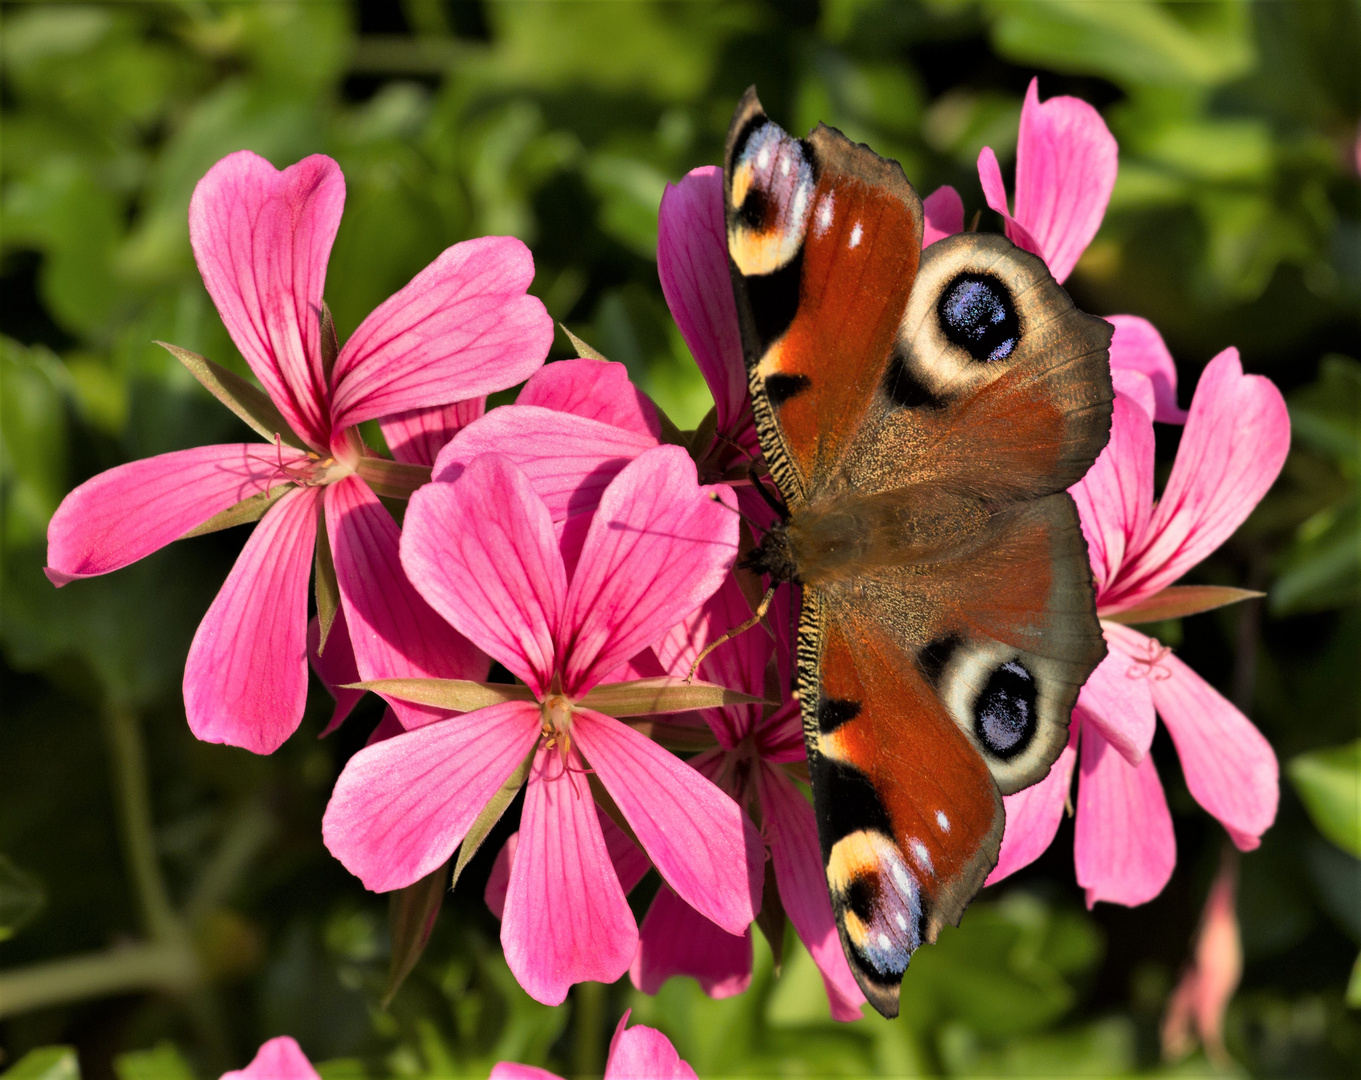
(132, 795)
(588, 1014)
(161, 966)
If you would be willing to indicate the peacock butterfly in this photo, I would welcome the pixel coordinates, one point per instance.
(921, 413)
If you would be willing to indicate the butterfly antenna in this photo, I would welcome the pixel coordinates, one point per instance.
(757, 616)
(780, 509)
(755, 525)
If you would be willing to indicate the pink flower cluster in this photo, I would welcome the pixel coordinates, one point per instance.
(578, 540)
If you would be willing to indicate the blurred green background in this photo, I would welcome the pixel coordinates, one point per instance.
(1236, 220)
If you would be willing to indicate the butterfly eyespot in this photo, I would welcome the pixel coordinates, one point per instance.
(1004, 714)
(880, 900)
(977, 314)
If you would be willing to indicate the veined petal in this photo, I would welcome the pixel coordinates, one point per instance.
(128, 512)
(262, 239)
(513, 1070)
(394, 632)
(566, 920)
(482, 551)
(692, 263)
(644, 1053)
(1115, 498)
(401, 806)
(1034, 813)
(279, 1059)
(569, 459)
(596, 389)
(462, 328)
(1124, 848)
(1117, 698)
(792, 833)
(658, 547)
(1236, 439)
(1137, 346)
(675, 939)
(697, 837)
(335, 667)
(1066, 161)
(245, 680)
(1230, 768)
(418, 435)
(943, 210)
(995, 192)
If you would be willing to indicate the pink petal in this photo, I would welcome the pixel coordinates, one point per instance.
(1115, 499)
(462, 328)
(512, 1070)
(675, 939)
(1066, 161)
(692, 263)
(944, 212)
(498, 881)
(262, 239)
(279, 1059)
(483, 553)
(643, 1053)
(1236, 439)
(698, 838)
(1117, 698)
(418, 435)
(245, 680)
(389, 727)
(792, 834)
(401, 806)
(126, 513)
(566, 920)
(394, 632)
(1230, 768)
(1034, 813)
(336, 667)
(569, 459)
(1137, 346)
(595, 389)
(1124, 848)
(658, 547)
(995, 192)
(1136, 386)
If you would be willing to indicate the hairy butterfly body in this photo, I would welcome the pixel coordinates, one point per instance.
(922, 413)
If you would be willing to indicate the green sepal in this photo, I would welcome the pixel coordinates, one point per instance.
(244, 512)
(771, 917)
(605, 801)
(664, 694)
(330, 346)
(584, 351)
(679, 738)
(1177, 601)
(456, 695)
(394, 479)
(327, 587)
(702, 438)
(249, 402)
(411, 918)
(491, 814)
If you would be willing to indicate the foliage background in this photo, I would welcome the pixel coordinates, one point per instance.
(1236, 220)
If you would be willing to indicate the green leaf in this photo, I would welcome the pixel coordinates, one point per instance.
(395, 479)
(490, 815)
(163, 1062)
(249, 402)
(326, 586)
(243, 513)
(21, 898)
(1354, 985)
(664, 694)
(46, 1063)
(1177, 601)
(1329, 783)
(411, 918)
(456, 695)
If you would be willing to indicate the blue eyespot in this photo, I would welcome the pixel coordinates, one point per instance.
(976, 313)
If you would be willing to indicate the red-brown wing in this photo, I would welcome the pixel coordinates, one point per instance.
(824, 237)
(909, 819)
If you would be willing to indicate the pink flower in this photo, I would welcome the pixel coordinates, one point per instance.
(1235, 442)
(640, 1053)
(462, 328)
(755, 744)
(278, 1059)
(563, 609)
(1065, 172)
(1202, 996)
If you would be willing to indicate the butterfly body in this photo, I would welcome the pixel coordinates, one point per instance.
(921, 413)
